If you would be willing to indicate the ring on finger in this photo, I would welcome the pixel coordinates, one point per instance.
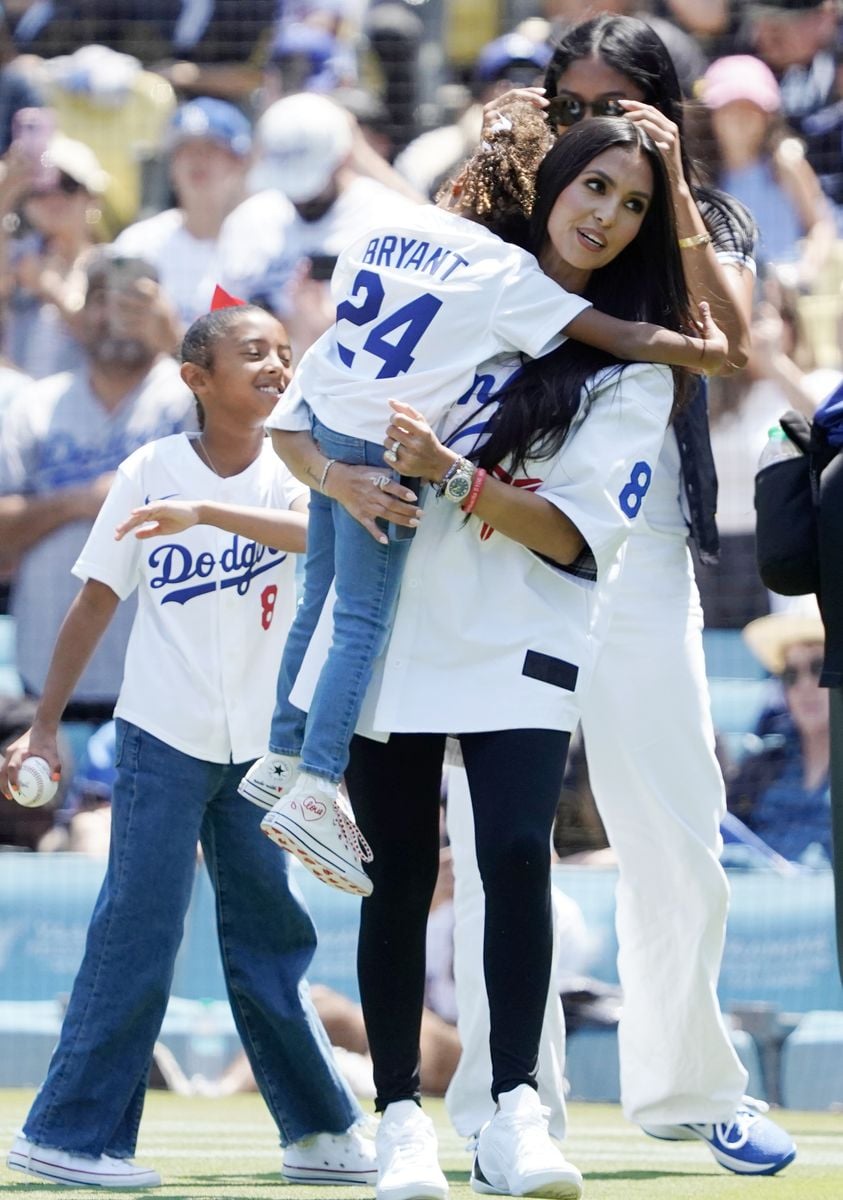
(380, 481)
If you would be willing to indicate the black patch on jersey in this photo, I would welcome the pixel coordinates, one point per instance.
(547, 669)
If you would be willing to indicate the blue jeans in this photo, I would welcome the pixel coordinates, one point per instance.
(367, 577)
(164, 802)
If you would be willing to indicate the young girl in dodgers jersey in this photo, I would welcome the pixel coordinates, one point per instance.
(419, 305)
(215, 599)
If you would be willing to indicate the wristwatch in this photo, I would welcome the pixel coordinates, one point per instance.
(456, 482)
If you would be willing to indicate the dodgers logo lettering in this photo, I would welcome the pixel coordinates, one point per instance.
(182, 575)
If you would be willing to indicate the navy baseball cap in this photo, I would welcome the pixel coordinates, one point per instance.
(210, 120)
(513, 56)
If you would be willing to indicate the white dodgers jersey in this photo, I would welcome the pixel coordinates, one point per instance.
(419, 304)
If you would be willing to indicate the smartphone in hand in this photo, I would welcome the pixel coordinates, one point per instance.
(32, 130)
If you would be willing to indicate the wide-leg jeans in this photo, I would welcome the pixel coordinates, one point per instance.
(164, 802)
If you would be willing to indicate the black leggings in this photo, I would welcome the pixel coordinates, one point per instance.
(515, 777)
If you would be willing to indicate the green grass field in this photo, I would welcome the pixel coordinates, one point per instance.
(216, 1149)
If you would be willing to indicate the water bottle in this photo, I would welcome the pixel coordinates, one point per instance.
(779, 447)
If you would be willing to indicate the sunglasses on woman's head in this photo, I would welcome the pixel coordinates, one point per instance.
(792, 675)
(568, 110)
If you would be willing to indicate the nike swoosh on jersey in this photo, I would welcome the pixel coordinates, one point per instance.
(156, 499)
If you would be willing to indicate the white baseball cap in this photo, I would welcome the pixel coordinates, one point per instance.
(302, 139)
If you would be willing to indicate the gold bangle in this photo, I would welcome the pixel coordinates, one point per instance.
(698, 239)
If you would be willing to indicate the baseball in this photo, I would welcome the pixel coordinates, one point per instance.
(35, 787)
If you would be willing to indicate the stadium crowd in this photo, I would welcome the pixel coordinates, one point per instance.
(151, 152)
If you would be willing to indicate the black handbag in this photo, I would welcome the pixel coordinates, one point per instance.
(786, 506)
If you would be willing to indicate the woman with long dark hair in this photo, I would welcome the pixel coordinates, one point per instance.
(646, 719)
(498, 644)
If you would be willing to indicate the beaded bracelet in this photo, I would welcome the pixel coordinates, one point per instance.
(476, 488)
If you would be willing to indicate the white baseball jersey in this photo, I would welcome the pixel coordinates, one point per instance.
(487, 634)
(420, 301)
(213, 608)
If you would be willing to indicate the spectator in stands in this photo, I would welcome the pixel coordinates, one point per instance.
(782, 792)
(108, 101)
(63, 438)
(754, 157)
(61, 26)
(513, 60)
(305, 143)
(218, 47)
(215, 230)
(45, 273)
(797, 39)
(194, 710)
(302, 58)
(17, 87)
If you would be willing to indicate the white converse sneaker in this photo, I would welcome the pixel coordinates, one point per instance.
(408, 1155)
(332, 1158)
(314, 821)
(515, 1155)
(77, 1170)
(268, 779)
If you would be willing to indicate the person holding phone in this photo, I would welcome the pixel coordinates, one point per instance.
(55, 182)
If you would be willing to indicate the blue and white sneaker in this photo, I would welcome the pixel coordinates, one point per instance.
(748, 1144)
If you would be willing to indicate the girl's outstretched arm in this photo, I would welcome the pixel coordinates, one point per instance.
(639, 341)
(282, 529)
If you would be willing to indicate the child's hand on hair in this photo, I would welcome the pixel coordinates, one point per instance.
(495, 110)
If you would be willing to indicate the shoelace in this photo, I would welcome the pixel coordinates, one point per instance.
(528, 1127)
(735, 1133)
(351, 835)
(410, 1150)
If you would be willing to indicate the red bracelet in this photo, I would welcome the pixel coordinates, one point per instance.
(476, 488)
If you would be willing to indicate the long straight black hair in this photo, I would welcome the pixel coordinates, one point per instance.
(636, 51)
(645, 282)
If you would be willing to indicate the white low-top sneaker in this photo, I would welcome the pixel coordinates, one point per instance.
(408, 1155)
(516, 1156)
(268, 779)
(314, 822)
(77, 1170)
(332, 1158)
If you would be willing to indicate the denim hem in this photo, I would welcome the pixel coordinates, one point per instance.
(328, 776)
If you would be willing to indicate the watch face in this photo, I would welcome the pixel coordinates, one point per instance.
(459, 487)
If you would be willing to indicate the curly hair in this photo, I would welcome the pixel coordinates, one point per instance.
(497, 185)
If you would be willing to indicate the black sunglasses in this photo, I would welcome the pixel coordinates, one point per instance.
(792, 675)
(568, 110)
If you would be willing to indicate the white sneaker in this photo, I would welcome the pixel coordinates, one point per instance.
(77, 1170)
(268, 779)
(331, 1158)
(408, 1155)
(314, 821)
(515, 1155)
